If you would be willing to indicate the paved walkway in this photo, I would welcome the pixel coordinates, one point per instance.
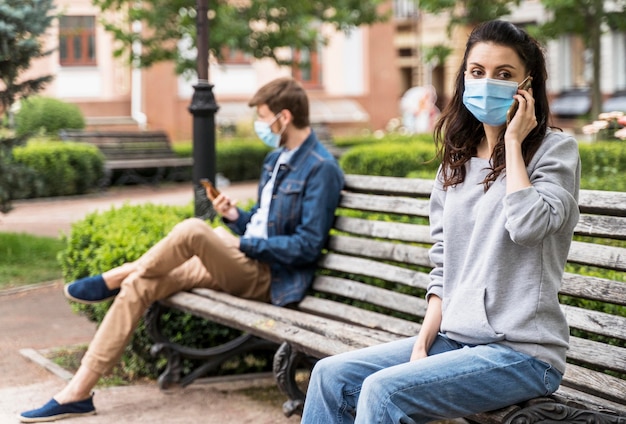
(39, 318)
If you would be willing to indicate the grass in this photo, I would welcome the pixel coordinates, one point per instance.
(69, 358)
(26, 259)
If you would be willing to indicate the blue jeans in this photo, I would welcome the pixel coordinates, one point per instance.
(380, 385)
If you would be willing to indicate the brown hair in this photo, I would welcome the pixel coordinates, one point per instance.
(458, 133)
(284, 93)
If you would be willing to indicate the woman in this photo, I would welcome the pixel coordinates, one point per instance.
(502, 214)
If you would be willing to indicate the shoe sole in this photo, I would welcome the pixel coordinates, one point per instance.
(55, 417)
(83, 301)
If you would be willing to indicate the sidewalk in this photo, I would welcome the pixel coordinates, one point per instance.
(52, 216)
(38, 318)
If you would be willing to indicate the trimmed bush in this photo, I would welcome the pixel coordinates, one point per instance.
(392, 159)
(603, 165)
(237, 160)
(46, 115)
(61, 168)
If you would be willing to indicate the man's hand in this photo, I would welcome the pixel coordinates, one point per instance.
(225, 207)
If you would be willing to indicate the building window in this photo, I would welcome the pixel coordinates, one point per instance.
(77, 40)
(235, 57)
(307, 68)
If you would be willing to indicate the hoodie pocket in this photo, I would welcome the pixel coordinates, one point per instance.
(465, 318)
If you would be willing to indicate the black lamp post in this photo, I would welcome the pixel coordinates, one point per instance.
(203, 108)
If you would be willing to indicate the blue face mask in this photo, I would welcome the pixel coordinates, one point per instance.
(489, 99)
(264, 132)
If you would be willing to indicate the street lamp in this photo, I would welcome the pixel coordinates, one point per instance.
(203, 108)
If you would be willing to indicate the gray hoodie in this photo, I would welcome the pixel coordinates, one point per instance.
(500, 258)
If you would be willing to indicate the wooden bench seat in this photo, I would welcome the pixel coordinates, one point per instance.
(370, 289)
(129, 152)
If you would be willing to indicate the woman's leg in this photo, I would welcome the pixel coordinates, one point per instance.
(335, 382)
(453, 384)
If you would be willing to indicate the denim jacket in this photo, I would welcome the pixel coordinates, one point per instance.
(302, 211)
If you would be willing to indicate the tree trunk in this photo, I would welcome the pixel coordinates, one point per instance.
(595, 33)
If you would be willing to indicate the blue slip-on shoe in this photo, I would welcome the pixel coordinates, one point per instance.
(89, 290)
(53, 411)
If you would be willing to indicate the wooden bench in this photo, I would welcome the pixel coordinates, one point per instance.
(130, 152)
(370, 289)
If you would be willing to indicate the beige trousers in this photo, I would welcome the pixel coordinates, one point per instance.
(192, 255)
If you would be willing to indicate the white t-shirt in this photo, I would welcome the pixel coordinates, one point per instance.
(257, 227)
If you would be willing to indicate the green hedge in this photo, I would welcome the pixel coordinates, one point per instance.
(61, 168)
(603, 165)
(414, 157)
(46, 115)
(237, 160)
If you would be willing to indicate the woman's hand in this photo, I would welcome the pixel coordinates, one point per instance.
(518, 129)
(225, 207)
(524, 120)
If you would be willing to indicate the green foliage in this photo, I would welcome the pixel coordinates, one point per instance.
(47, 116)
(61, 168)
(469, 12)
(603, 165)
(241, 160)
(237, 159)
(27, 259)
(257, 28)
(392, 158)
(16, 179)
(22, 26)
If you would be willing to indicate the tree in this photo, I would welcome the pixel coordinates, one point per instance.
(587, 19)
(259, 28)
(469, 12)
(22, 24)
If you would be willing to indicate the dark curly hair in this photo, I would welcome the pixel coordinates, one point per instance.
(458, 133)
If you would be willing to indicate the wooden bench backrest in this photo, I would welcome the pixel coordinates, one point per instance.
(377, 265)
(125, 144)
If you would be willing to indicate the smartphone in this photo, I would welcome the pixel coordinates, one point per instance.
(524, 85)
(212, 192)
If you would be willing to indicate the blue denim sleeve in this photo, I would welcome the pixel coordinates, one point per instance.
(239, 226)
(302, 245)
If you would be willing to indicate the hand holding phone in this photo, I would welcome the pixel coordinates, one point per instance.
(211, 191)
(524, 85)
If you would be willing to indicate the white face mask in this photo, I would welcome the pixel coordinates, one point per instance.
(264, 132)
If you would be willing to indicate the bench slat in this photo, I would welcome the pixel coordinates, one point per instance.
(601, 226)
(595, 383)
(257, 324)
(389, 185)
(594, 288)
(391, 205)
(370, 268)
(570, 395)
(351, 335)
(355, 315)
(595, 321)
(598, 354)
(411, 305)
(610, 257)
(367, 247)
(382, 229)
(147, 163)
(602, 202)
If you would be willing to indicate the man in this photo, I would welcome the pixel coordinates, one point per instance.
(273, 260)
